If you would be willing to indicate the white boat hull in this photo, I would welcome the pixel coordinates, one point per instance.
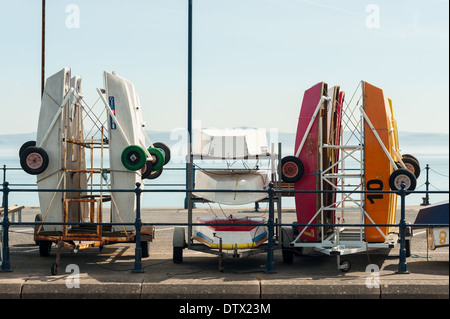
(231, 180)
(124, 102)
(50, 138)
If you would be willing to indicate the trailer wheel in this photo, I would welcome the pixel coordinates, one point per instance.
(400, 176)
(178, 244)
(410, 156)
(44, 248)
(25, 146)
(177, 255)
(54, 269)
(412, 165)
(287, 236)
(145, 249)
(155, 174)
(345, 266)
(133, 157)
(146, 170)
(408, 247)
(292, 169)
(37, 219)
(164, 149)
(34, 160)
(159, 158)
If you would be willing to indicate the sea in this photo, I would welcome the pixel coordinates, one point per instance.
(431, 149)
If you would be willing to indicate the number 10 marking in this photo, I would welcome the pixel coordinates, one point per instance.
(374, 185)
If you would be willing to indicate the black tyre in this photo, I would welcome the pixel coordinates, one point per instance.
(177, 255)
(54, 269)
(287, 252)
(155, 174)
(412, 165)
(408, 247)
(38, 218)
(145, 249)
(44, 248)
(345, 265)
(291, 169)
(34, 160)
(400, 176)
(179, 242)
(146, 170)
(164, 149)
(410, 156)
(26, 145)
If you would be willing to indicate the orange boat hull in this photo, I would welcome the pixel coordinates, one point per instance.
(381, 208)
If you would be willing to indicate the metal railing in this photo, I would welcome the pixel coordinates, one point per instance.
(270, 224)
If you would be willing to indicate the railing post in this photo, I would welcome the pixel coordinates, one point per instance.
(6, 266)
(138, 225)
(402, 268)
(4, 180)
(270, 225)
(427, 183)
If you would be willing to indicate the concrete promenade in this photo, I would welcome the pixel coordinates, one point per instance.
(107, 273)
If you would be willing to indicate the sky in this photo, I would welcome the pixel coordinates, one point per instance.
(252, 59)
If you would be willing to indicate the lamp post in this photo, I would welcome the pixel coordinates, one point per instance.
(189, 164)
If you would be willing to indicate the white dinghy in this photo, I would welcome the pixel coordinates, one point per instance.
(127, 153)
(242, 180)
(49, 157)
(130, 160)
(231, 187)
(236, 144)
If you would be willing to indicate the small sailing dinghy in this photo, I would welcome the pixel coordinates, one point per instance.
(231, 187)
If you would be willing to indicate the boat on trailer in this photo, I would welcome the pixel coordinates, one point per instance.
(58, 159)
(244, 235)
(369, 160)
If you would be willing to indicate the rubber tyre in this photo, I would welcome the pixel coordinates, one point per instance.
(412, 165)
(38, 218)
(45, 247)
(155, 174)
(54, 269)
(345, 266)
(26, 145)
(287, 252)
(179, 237)
(410, 156)
(159, 158)
(164, 149)
(177, 255)
(408, 247)
(145, 249)
(292, 169)
(34, 160)
(179, 242)
(402, 175)
(133, 157)
(146, 170)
